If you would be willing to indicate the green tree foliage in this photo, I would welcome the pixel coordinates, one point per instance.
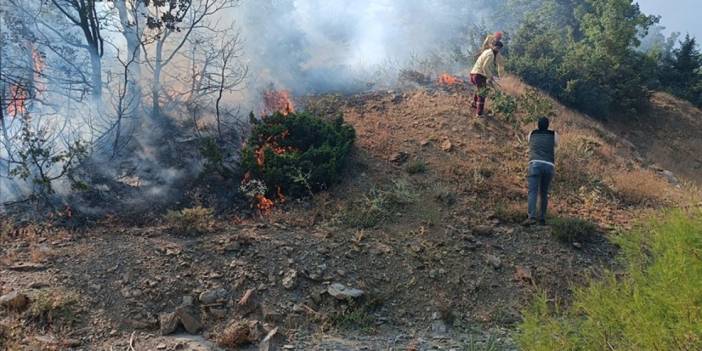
(681, 73)
(300, 153)
(582, 52)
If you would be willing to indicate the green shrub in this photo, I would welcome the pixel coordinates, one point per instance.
(570, 230)
(196, 220)
(298, 153)
(416, 167)
(379, 205)
(655, 305)
(56, 308)
(504, 105)
(534, 106)
(214, 157)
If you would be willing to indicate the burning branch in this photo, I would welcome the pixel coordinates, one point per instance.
(447, 79)
(277, 101)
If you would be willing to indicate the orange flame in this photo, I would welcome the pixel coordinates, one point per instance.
(18, 99)
(447, 79)
(264, 204)
(277, 101)
(39, 63)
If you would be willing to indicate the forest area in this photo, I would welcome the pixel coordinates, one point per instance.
(309, 175)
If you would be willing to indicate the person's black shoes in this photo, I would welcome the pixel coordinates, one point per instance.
(529, 222)
(542, 222)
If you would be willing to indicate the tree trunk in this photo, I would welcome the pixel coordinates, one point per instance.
(156, 84)
(96, 76)
(132, 35)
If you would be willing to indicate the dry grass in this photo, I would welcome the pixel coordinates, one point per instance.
(189, 221)
(639, 187)
(54, 308)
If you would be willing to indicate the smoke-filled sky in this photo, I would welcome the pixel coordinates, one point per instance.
(311, 45)
(677, 15)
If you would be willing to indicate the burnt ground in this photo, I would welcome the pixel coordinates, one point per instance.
(435, 249)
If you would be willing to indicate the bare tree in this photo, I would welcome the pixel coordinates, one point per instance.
(84, 15)
(171, 24)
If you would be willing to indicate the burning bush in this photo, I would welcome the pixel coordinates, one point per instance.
(295, 154)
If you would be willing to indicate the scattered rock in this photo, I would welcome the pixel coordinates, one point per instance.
(424, 142)
(27, 267)
(269, 342)
(218, 313)
(190, 321)
(37, 285)
(523, 274)
(446, 145)
(53, 342)
(484, 230)
(340, 292)
(168, 322)
(240, 333)
(670, 176)
(271, 315)
(494, 261)
(213, 296)
(247, 303)
(14, 301)
(438, 328)
(161, 346)
(399, 157)
(290, 279)
(577, 245)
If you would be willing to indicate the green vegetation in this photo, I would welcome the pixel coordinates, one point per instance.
(54, 308)
(297, 154)
(416, 167)
(189, 221)
(582, 52)
(378, 205)
(570, 230)
(681, 71)
(656, 305)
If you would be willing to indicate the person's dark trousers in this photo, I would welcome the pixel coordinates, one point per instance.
(539, 177)
(480, 82)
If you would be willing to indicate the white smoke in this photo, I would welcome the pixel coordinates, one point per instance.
(311, 46)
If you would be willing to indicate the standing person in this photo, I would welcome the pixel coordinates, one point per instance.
(483, 72)
(487, 44)
(542, 167)
(489, 39)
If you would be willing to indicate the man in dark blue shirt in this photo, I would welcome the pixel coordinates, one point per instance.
(542, 167)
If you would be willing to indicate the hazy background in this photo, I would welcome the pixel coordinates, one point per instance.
(684, 16)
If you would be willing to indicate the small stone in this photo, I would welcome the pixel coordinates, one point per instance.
(494, 261)
(161, 346)
(446, 145)
(14, 301)
(219, 313)
(269, 343)
(191, 323)
(577, 245)
(168, 322)
(340, 292)
(213, 296)
(523, 274)
(290, 279)
(438, 327)
(187, 300)
(27, 267)
(484, 230)
(399, 157)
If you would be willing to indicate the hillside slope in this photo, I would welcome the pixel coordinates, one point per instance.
(425, 223)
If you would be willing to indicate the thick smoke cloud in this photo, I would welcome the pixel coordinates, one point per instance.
(320, 45)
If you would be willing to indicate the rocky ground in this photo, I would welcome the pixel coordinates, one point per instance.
(419, 248)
